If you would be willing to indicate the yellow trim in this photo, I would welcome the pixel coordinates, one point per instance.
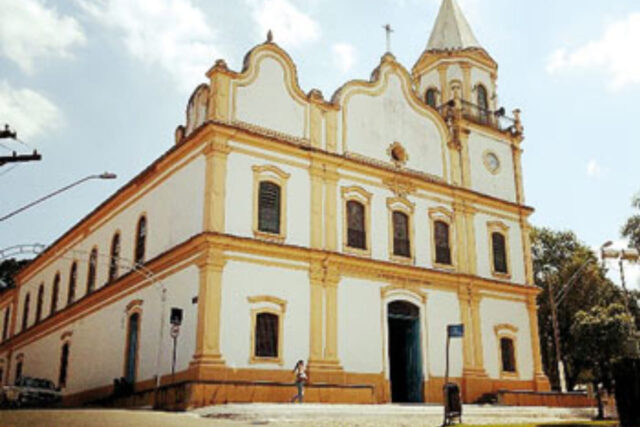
(478, 352)
(279, 177)
(360, 195)
(316, 175)
(501, 228)
(403, 205)
(464, 302)
(442, 214)
(388, 292)
(504, 330)
(280, 311)
(216, 153)
(331, 177)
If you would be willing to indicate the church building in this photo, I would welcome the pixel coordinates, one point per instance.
(282, 226)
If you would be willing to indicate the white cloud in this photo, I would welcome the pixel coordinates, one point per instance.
(290, 26)
(28, 112)
(613, 53)
(344, 56)
(173, 34)
(29, 31)
(594, 169)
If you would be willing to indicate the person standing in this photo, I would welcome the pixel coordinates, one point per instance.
(301, 378)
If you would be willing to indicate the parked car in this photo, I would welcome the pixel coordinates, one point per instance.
(28, 391)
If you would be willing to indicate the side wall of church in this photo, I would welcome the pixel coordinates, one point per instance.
(97, 339)
(500, 183)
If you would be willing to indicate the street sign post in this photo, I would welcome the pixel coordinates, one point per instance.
(451, 392)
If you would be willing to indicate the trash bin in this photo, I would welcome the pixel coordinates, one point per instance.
(452, 403)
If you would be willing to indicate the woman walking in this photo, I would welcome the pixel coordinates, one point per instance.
(301, 378)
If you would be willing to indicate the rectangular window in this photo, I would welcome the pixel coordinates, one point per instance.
(499, 253)
(266, 339)
(443, 251)
(508, 355)
(401, 243)
(356, 233)
(269, 207)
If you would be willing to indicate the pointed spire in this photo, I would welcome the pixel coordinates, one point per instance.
(451, 30)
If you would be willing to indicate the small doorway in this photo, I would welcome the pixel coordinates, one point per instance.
(405, 355)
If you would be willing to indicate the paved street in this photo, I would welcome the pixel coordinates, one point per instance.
(288, 415)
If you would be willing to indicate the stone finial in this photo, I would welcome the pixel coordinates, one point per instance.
(179, 134)
(220, 64)
(269, 36)
(518, 123)
(315, 95)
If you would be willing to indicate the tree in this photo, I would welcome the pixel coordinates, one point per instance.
(631, 228)
(561, 256)
(8, 269)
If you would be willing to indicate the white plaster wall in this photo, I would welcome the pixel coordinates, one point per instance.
(515, 254)
(373, 123)
(239, 198)
(454, 72)
(427, 80)
(97, 346)
(241, 280)
(265, 101)
(360, 326)
(500, 185)
(494, 312)
(443, 309)
(174, 212)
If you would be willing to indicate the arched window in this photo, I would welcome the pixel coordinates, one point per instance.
(73, 276)
(431, 97)
(483, 104)
(269, 207)
(443, 250)
(64, 365)
(25, 312)
(499, 249)
(141, 238)
(401, 242)
(356, 230)
(115, 257)
(266, 339)
(39, 302)
(507, 354)
(91, 272)
(54, 293)
(5, 325)
(133, 335)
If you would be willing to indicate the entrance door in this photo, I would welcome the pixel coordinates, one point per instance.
(405, 355)
(132, 348)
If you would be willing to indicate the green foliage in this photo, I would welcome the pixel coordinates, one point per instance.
(631, 228)
(558, 258)
(600, 335)
(8, 269)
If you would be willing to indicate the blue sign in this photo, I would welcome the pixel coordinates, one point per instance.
(455, 331)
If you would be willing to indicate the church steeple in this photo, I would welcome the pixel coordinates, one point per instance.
(451, 30)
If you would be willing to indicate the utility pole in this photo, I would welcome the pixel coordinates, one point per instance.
(556, 337)
(7, 133)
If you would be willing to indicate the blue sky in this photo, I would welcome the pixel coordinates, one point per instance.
(101, 85)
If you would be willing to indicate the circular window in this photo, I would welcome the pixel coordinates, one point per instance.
(492, 162)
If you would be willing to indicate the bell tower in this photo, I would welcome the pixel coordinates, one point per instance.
(455, 62)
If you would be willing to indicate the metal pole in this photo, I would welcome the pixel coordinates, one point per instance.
(556, 336)
(163, 300)
(444, 387)
(173, 361)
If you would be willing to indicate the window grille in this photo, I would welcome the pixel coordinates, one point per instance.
(269, 207)
(443, 250)
(356, 233)
(266, 339)
(499, 253)
(508, 355)
(401, 243)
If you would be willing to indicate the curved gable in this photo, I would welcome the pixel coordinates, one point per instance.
(266, 93)
(383, 111)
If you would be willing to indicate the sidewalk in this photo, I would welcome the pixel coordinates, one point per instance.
(386, 415)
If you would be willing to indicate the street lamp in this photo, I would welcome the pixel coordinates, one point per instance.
(105, 175)
(630, 255)
(554, 301)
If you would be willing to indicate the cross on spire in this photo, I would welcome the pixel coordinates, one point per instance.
(388, 30)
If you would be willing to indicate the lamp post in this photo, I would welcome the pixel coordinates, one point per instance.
(630, 255)
(105, 175)
(554, 300)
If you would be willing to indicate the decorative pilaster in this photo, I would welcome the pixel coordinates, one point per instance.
(476, 382)
(332, 279)
(517, 168)
(541, 382)
(444, 87)
(219, 85)
(465, 159)
(466, 81)
(216, 153)
(316, 172)
(316, 307)
(478, 353)
(525, 230)
(462, 260)
(211, 265)
(464, 301)
(472, 257)
(330, 208)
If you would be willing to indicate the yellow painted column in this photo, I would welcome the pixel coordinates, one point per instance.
(211, 266)
(540, 379)
(331, 315)
(454, 155)
(219, 86)
(461, 234)
(315, 129)
(331, 127)
(478, 353)
(330, 208)
(316, 172)
(525, 230)
(316, 306)
(464, 300)
(466, 81)
(517, 168)
(216, 153)
(472, 257)
(465, 159)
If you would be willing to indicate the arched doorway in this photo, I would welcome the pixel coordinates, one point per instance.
(405, 355)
